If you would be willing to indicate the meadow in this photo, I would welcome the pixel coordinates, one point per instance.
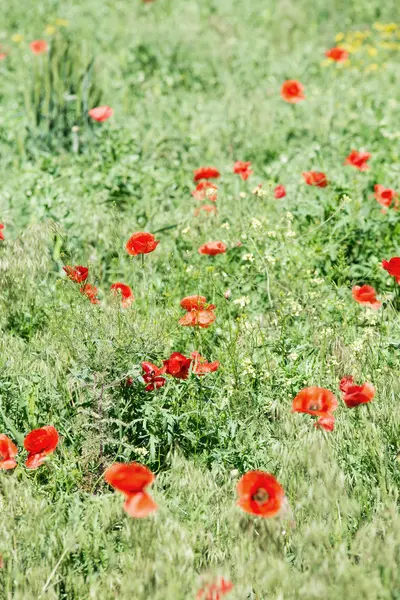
(193, 84)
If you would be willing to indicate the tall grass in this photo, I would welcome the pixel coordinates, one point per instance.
(191, 84)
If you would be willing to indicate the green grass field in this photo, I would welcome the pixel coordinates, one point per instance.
(195, 83)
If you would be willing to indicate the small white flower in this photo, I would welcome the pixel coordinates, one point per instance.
(255, 223)
(242, 302)
(270, 259)
(225, 226)
(249, 257)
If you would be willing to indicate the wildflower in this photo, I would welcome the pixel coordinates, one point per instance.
(255, 223)
(259, 192)
(201, 366)
(40, 443)
(8, 452)
(354, 395)
(227, 294)
(358, 160)
(101, 113)
(385, 196)
(177, 365)
(141, 243)
(280, 191)
(316, 401)
(392, 266)
(260, 494)
(198, 312)
(337, 54)
(17, 38)
(315, 178)
(366, 295)
(215, 591)
(50, 30)
(292, 91)
(327, 423)
(206, 173)
(3, 55)
(62, 22)
(127, 296)
(152, 376)
(77, 273)
(90, 291)
(209, 208)
(39, 46)
(205, 189)
(243, 169)
(242, 302)
(248, 257)
(1, 231)
(132, 479)
(212, 248)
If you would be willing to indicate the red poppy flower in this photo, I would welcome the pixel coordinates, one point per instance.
(90, 291)
(337, 54)
(315, 178)
(178, 365)
(39, 46)
(385, 196)
(101, 113)
(141, 243)
(198, 312)
(132, 479)
(212, 248)
(127, 296)
(40, 443)
(392, 266)
(327, 423)
(8, 452)
(260, 494)
(292, 91)
(280, 191)
(205, 189)
(358, 160)
(354, 395)
(1, 231)
(3, 55)
(215, 591)
(152, 376)
(201, 366)
(366, 295)
(316, 401)
(206, 173)
(77, 273)
(243, 169)
(209, 208)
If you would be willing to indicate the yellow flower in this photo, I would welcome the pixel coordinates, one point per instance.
(17, 38)
(372, 51)
(379, 26)
(62, 22)
(390, 27)
(50, 30)
(390, 45)
(339, 37)
(372, 67)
